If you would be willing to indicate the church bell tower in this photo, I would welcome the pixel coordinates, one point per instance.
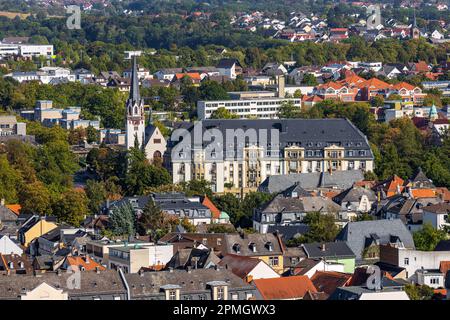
(135, 126)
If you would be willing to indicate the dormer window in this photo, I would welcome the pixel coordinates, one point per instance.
(11, 265)
(237, 248)
(269, 246)
(252, 246)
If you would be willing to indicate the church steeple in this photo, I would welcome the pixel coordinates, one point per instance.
(415, 32)
(135, 126)
(134, 90)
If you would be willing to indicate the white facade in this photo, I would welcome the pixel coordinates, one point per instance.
(26, 50)
(389, 295)
(7, 246)
(433, 279)
(413, 260)
(263, 271)
(323, 266)
(438, 221)
(267, 108)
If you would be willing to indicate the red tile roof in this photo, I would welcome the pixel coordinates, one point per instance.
(214, 211)
(423, 193)
(86, 262)
(444, 266)
(294, 287)
(328, 281)
(14, 208)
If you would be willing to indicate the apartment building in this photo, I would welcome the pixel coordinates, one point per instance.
(10, 127)
(26, 50)
(252, 150)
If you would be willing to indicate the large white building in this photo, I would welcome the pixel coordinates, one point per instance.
(246, 152)
(262, 108)
(26, 50)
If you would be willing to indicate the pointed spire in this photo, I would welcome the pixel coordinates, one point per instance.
(134, 90)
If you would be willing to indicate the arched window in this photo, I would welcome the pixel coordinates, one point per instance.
(157, 154)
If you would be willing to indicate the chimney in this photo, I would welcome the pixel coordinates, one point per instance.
(97, 270)
(141, 272)
(189, 269)
(170, 269)
(323, 248)
(2, 202)
(281, 86)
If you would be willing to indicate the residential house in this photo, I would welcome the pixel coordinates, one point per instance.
(214, 241)
(356, 199)
(309, 267)
(248, 268)
(7, 246)
(35, 227)
(15, 264)
(266, 247)
(132, 257)
(284, 288)
(81, 263)
(331, 252)
(167, 73)
(99, 249)
(437, 215)
(194, 258)
(363, 293)
(10, 127)
(328, 281)
(413, 260)
(365, 237)
(100, 285)
(229, 67)
(199, 284)
(314, 181)
(122, 84)
(282, 211)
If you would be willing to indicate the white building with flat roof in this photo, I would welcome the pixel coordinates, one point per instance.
(265, 108)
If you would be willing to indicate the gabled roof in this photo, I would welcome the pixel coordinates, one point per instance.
(330, 250)
(14, 208)
(84, 263)
(262, 243)
(354, 194)
(6, 214)
(329, 281)
(239, 265)
(294, 287)
(313, 180)
(403, 85)
(210, 205)
(356, 233)
(439, 208)
(228, 63)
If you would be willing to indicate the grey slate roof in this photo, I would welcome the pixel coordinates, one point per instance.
(356, 233)
(106, 282)
(354, 194)
(7, 215)
(307, 204)
(289, 232)
(331, 250)
(260, 240)
(313, 180)
(150, 284)
(296, 190)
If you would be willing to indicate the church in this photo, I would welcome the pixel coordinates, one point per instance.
(148, 138)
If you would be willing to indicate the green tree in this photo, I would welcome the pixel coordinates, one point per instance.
(35, 198)
(419, 292)
(10, 180)
(97, 194)
(154, 222)
(428, 237)
(222, 113)
(322, 228)
(122, 220)
(71, 208)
